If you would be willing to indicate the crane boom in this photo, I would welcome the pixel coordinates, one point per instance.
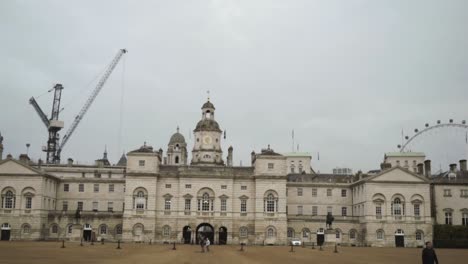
(39, 111)
(90, 100)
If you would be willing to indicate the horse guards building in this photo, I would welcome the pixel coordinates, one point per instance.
(148, 196)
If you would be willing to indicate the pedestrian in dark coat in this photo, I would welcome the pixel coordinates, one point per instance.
(428, 255)
(202, 244)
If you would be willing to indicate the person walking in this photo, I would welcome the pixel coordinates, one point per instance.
(202, 244)
(207, 244)
(428, 254)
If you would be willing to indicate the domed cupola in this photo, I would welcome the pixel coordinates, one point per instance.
(207, 147)
(177, 149)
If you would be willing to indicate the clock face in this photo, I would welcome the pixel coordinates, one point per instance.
(207, 140)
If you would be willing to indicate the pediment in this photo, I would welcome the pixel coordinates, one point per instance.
(397, 174)
(11, 166)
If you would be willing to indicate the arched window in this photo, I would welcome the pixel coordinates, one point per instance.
(290, 233)
(305, 233)
(352, 234)
(28, 204)
(206, 202)
(103, 230)
(419, 235)
(54, 229)
(26, 229)
(9, 200)
(270, 203)
(118, 229)
(140, 199)
(380, 235)
(338, 234)
(270, 232)
(243, 232)
(69, 229)
(396, 207)
(166, 231)
(177, 160)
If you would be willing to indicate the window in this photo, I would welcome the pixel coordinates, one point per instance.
(292, 169)
(418, 235)
(140, 200)
(118, 229)
(464, 193)
(343, 193)
(397, 207)
(290, 232)
(406, 163)
(81, 187)
(338, 234)
(103, 230)
(54, 229)
(243, 206)
(96, 187)
(447, 193)
(270, 232)
(83, 174)
(66, 187)
(223, 205)
(314, 192)
(9, 200)
(205, 202)
(188, 203)
(352, 234)
(243, 232)
(80, 206)
(141, 163)
(243, 187)
(111, 187)
(299, 191)
(378, 212)
(314, 210)
(95, 206)
(270, 203)
(110, 206)
(465, 219)
(305, 233)
(65, 206)
(223, 187)
(167, 204)
(380, 235)
(448, 218)
(300, 169)
(329, 192)
(69, 229)
(28, 202)
(166, 231)
(26, 229)
(417, 212)
(168, 186)
(188, 186)
(299, 209)
(177, 160)
(271, 166)
(329, 209)
(344, 211)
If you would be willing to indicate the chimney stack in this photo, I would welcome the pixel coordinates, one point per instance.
(453, 167)
(463, 165)
(69, 162)
(385, 166)
(24, 158)
(421, 169)
(252, 157)
(427, 168)
(229, 157)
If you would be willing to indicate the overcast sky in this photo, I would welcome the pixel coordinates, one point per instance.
(346, 75)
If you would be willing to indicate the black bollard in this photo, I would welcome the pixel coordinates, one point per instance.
(336, 249)
(63, 243)
(303, 244)
(173, 246)
(313, 245)
(118, 244)
(81, 242)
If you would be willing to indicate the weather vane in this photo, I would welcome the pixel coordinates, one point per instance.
(208, 93)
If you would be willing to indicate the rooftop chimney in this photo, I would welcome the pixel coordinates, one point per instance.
(385, 166)
(427, 168)
(453, 167)
(252, 157)
(24, 158)
(463, 165)
(421, 169)
(69, 162)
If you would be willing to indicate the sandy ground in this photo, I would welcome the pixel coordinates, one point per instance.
(51, 253)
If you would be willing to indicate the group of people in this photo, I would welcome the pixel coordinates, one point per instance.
(205, 244)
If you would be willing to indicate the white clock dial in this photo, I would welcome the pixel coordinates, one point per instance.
(207, 140)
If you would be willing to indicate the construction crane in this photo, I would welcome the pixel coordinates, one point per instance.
(53, 148)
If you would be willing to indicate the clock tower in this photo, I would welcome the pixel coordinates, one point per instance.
(207, 136)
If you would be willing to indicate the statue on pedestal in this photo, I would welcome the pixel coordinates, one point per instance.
(330, 219)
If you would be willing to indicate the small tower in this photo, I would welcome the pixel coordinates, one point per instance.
(177, 150)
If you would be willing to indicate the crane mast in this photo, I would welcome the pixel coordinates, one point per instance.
(88, 103)
(54, 125)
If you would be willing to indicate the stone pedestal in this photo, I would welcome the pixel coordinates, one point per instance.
(330, 237)
(77, 231)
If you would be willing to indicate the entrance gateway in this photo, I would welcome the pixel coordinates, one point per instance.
(399, 238)
(205, 230)
(87, 231)
(320, 236)
(6, 229)
(187, 234)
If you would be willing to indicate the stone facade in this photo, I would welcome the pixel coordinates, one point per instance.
(152, 197)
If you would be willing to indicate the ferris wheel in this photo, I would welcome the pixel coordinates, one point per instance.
(408, 140)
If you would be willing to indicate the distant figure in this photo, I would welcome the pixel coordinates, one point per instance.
(330, 219)
(202, 244)
(428, 254)
(207, 244)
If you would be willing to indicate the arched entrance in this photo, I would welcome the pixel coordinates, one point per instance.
(205, 230)
(399, 238)
(222, 235)
(320, 236)
(87, 231)
(187, 234)
(6, 229)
